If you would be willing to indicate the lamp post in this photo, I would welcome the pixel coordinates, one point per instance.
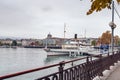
(113, 26)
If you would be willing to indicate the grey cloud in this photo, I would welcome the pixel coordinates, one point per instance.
(39, 17)
(47, 8)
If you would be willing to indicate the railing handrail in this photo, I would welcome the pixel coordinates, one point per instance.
(27, 71)
(40, 68)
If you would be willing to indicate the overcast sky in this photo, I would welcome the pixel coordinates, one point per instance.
(37, 18)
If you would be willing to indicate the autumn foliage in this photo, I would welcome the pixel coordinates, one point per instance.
(98, 5)
(106, 38)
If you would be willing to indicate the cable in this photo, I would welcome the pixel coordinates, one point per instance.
(116, 11)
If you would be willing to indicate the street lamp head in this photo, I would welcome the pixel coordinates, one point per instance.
(112, 25)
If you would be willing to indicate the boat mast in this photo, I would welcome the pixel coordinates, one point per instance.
(46, 43)
(85, 34)
(64, 35)
(64, 29)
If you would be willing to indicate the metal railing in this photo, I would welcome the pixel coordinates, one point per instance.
(83, 71)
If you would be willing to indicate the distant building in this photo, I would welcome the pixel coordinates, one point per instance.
(19, 42)
(6, 41)
(31, 42)
(49, 41)
(52, 41)
(49, 36)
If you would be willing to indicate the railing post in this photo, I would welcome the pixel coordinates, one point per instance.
(87, 67)
(90, 58)
(72, 63)
(61, 70)
(102, 67)
(113, 53)
(108, 53)
(118, 52)
(87, 60)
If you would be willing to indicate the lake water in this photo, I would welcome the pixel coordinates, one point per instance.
(20, 59)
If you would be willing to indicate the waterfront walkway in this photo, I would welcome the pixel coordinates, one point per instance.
(112, 74)
(115, 75)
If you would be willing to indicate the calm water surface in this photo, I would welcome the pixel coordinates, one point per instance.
(20, 59)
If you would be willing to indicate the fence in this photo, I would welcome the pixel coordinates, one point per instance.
(84, 71)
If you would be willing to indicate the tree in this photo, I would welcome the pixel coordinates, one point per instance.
(0, 43)
(106, 38)
(116, 40)
(14, 43)
(93, 42)
(119, 43)
(98, 5)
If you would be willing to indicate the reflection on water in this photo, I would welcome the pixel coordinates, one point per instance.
(20, 59)
(13, 60)
(55, 59)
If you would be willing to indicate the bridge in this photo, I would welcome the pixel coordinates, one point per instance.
(91, 67)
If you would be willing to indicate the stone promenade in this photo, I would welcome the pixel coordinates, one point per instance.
(112, 74)
(115, 75)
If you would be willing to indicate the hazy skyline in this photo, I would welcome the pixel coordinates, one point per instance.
(37, 18)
